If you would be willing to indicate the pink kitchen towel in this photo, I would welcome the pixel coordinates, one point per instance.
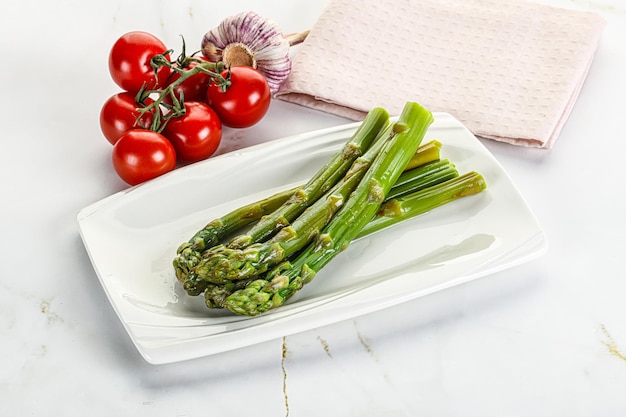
(510, 70)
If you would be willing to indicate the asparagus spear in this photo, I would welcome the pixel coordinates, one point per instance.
(189, 253)
(426, 160)
(410, 205)
(428, 152)
(271, 217)
(222, 263)
(215, 294)
(335, 169)
(391, 212)
(421, 177)
(211, 234)
(410, 181)
(261, 295)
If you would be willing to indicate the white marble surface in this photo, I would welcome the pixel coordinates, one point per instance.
(544, 339)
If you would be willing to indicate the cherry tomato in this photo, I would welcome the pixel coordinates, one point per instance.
(140, 155)
(119, 114)
(129, 61)
(245, 101)
(195, 135)
(193, 88)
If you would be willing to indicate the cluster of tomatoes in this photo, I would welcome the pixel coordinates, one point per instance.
(163, 117)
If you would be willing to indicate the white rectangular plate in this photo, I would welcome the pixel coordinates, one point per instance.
(132, 236)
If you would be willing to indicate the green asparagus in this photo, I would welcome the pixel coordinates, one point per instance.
(295, 233)
(327, 177)
(428, 152)
(392, 211)
(189, 254)
(261, 295)
(270, 219)
(417, 179)
(222, 264)
(422, 177)
(410, 205)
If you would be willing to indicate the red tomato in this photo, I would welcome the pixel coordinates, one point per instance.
(245, 101)
(119, 114)
(195, 135)
(193, 88)
(129, 61)
(140, 155)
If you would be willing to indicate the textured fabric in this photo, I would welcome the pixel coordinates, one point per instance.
(510, 70)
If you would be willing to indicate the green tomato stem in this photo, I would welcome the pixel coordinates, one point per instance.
(177, 108)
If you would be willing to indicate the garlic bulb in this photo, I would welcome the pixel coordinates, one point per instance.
(249, 39)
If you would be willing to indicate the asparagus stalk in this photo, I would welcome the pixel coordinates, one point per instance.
(217, 229)
(428, 152)
(222, 264)
(262, 295)
(335, 169)
(413, 204)
(417, 179)
(272, 218)
(189, 254)
(421, 177)
(393, 211)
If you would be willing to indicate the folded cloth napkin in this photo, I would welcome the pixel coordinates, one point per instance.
(510, 70)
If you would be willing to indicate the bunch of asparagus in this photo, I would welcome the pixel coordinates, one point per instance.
(381, 176)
